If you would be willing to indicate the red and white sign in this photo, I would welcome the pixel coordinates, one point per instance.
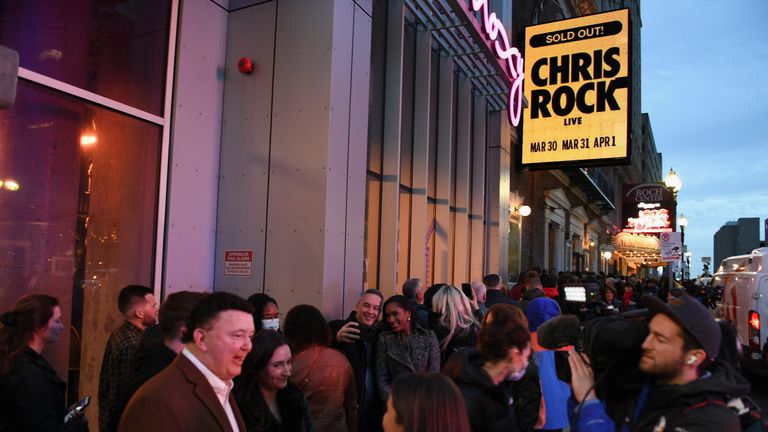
(238, 263)
(671, 246)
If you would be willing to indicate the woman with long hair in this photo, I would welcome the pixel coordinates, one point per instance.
(455, 324)
(323, 374)
(425, 402)
(267, 400)
(405, 347)
(31, 394)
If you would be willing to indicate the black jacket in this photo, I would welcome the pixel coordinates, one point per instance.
(696, 406)
(526, 396)
(32, 398)
(494, 296)
(258, 418)
(460, 340)
(149, 361)
(369, 412)
(489, 406)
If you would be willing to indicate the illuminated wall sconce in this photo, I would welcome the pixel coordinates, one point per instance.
(607, 255)
(523, 210)
(10, 184)
(87, 139)
(591, 243)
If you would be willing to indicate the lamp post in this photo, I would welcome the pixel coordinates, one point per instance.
(674, 183)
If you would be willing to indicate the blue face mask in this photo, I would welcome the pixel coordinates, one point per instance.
(270, 324)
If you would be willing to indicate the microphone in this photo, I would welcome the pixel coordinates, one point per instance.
(559, 332)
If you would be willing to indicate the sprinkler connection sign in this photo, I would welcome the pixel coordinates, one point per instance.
(578, 89)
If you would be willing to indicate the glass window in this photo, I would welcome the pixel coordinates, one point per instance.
(77, 213)
(115, 49)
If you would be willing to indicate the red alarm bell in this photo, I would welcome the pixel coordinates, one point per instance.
(245, 65)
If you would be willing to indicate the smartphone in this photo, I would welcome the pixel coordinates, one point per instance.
(77, 408)
(468, 291)
(366, 332)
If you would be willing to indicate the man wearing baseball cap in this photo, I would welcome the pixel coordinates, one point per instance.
(684, 392)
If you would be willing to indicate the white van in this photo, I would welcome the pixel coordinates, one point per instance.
(744, 279)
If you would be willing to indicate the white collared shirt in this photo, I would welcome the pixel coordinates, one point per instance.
(220, 387)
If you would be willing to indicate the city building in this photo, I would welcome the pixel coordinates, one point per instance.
(305, 149)
(736, 238)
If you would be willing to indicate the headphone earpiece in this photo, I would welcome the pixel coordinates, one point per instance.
(692, 360)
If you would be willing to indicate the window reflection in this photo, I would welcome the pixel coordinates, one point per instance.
(115, 49)
(81, 224)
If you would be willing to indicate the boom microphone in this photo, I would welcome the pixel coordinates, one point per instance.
(560, 331)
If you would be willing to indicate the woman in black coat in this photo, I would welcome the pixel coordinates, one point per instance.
(484, 375)
(31, 394)
(267, 400)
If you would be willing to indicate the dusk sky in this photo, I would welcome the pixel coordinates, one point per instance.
(704, 86)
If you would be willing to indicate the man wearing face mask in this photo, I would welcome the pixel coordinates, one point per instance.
(266, 315)
(483, 375)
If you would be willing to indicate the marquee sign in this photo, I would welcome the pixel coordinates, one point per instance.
(648, 208)
(578, 88)
(510, 58)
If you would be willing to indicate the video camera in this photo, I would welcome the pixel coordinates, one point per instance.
(584, 300)
(613, 345)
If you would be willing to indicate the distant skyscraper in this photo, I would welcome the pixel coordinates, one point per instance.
(736, 238)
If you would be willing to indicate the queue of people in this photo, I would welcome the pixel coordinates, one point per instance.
(472, 362)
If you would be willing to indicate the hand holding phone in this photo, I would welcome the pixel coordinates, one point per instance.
(77, 409)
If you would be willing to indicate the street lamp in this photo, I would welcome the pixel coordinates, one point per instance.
(524, 210)
(673, 182)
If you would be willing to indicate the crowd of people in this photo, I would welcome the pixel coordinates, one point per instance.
(442, 358)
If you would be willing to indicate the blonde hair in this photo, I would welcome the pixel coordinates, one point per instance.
(455, 312)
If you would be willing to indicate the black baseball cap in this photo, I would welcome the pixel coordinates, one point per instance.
(693, 317)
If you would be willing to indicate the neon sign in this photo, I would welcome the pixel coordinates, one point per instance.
(496, 32)
(650, 221)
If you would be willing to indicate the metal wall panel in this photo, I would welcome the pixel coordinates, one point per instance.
(196, 135)
(358, 148)
(245, 146)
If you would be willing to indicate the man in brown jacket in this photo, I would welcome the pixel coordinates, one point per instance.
(194, 392)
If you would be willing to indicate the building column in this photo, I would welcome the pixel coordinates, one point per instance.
(445, 128)
(497, 212)
(420, 169)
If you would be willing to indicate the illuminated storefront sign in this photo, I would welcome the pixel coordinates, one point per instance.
(648, 208)
(510, 56)
(639, 243)
(578, 90)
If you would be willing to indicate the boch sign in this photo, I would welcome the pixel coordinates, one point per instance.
(578, 88)
(648, 208)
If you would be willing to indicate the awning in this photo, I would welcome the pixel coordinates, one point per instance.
(638, 249)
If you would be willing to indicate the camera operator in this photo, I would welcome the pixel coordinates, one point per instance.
(681, 395)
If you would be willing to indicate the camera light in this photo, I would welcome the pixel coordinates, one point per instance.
(575, 294)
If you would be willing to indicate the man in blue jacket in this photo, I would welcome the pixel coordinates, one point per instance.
(685, 392)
